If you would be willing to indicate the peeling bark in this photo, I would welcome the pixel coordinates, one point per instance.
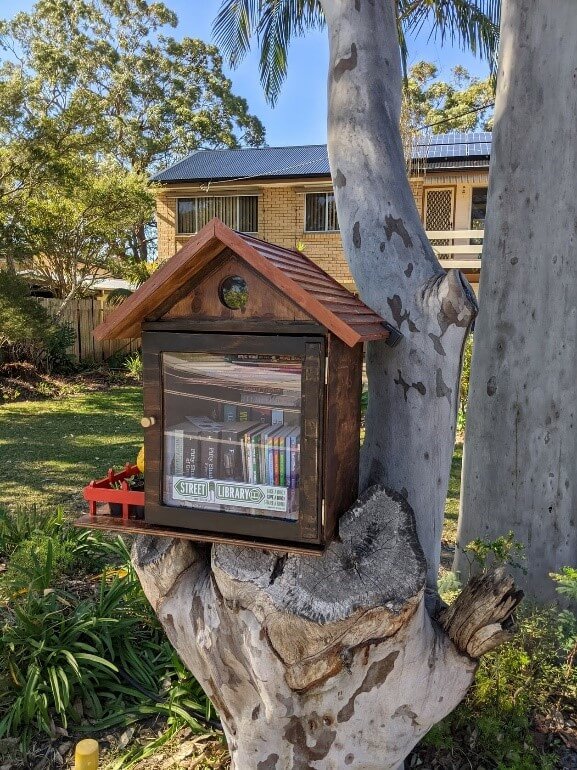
(322, 663)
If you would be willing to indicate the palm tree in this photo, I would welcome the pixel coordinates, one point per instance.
(295, 654)
(474, 24)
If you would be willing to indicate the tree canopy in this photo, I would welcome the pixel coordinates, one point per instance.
(103, 82)
(462, 103)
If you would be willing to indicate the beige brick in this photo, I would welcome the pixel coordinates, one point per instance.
(281, 216)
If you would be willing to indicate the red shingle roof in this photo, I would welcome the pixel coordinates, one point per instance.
(300, 279)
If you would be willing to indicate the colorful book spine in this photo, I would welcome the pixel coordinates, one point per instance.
(282, 461)
(276, 463)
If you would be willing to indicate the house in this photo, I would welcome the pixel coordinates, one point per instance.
(284, 195)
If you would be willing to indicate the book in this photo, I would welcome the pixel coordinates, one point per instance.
(277, 417)
(243, 413)
(229, 413)
(260, 415)
(248, 452)
(209, 439)
(283, 440)
(264, 444)
(293, 457)
(231, 446)
(182, 448)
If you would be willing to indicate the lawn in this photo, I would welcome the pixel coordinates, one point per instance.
(453, 496)
(51, 449)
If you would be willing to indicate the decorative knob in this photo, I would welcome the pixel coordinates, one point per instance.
(148, 422)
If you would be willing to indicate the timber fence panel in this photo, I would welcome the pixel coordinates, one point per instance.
(83, 316)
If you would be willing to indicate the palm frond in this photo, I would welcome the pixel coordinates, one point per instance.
(234, 26)
(472, 24)
(274, 23)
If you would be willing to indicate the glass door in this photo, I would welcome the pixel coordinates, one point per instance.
(232, 433)
(235, 445)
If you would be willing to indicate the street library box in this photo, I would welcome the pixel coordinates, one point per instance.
(252, 376)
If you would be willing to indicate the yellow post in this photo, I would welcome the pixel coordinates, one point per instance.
(86, 755)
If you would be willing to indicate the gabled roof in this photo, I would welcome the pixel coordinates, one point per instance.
(295, 275)
(311, 160)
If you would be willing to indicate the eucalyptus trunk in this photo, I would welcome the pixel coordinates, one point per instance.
(413, 388)
(335, 662)
(521, 439)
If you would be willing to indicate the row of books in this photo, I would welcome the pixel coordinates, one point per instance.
(244, 451)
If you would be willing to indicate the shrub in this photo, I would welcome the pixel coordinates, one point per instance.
(527, 682)
(133, 365)
(27, 331)
(25, 325)
(82, 653)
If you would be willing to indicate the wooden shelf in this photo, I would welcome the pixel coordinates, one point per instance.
(140, 527)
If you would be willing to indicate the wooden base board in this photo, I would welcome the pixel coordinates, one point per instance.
(139, 527)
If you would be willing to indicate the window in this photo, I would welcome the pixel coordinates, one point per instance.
(478, 211)
(321, 213)
(237, 211)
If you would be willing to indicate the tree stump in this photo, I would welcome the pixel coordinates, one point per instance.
(329, 662)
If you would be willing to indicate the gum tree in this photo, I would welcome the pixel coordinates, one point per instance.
(519, 469)
(336, 662)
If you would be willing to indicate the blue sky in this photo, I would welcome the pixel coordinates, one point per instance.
(300, 114)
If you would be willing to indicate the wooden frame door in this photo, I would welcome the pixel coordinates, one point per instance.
(310, 351)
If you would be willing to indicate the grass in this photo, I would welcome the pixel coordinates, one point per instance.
(453, 495)
(51, 449)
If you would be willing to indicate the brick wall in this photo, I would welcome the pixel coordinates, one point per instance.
(282, 216)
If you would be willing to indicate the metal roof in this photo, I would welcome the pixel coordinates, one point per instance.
(306, 161)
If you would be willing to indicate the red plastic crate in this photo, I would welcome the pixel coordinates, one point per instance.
(103, 491)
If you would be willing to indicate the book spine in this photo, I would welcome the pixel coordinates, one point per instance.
(249, 463)
(288, 456)
(243, 414)
(244, 453)
(270, 461)
(282, 461)
(229, 413)
(178, 452)
(276, 462)
(209, 453)
(294, 460)
(190, 456)
(255, 460)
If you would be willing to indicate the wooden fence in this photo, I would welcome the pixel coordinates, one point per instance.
(83, 316)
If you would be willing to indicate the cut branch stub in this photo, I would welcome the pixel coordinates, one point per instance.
(375, 562)
(480, 619)
(318, 611)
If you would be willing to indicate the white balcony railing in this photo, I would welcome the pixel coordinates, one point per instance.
(459, 252)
